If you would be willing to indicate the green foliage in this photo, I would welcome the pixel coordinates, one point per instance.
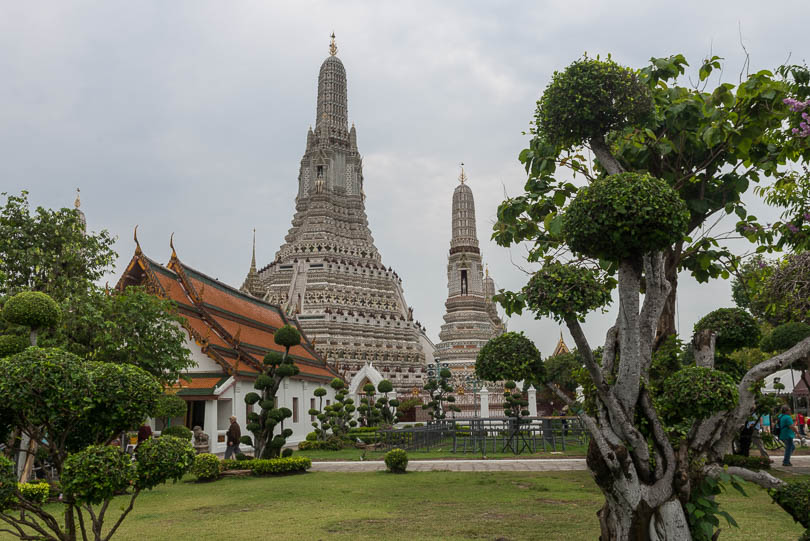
(746, 287)
(696, 392)
(794, 497)
(8, 482)
(396, 461)
(566, 291)
(515, 402)
(32, 309)
(162, 459)
(129, 327)
(81, 402)
(510, 356)
(702, 510)
(561, 370)
(331, 444)
(785, 336)
(588, 99)
(441, 399)
(49, 251)
(36, 493)
(273, 358)
(385, 386)
(287, 336)
(749, 462)
(666, 360)
(96, 474)
(178, 431)
(11, 344)
(735, 328)
(207, 467)
(169, 406)
(624, 216)
(278, 465)
(786, 293)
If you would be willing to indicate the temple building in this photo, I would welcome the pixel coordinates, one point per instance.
(229, 333)
(328, 274)
(471, 317)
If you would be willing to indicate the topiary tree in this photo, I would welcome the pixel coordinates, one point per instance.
(340, 413)
(510, 356)
(785, 336)
(320, 425)
(72, 408)
(34, 310)
(369, 414)
(441, 398)
(262, 425)
(655, 450)
(387, 407)
(396, 461)
(734, 327)
(168, 407)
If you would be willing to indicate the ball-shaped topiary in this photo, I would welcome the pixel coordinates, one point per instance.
(273, 358)
(735, 328)
(337, 384)
(251, 398)
(785, 336)
(178, 431)
(287, 336)
(510, 356)
(396, 460)
(385, 386)
(162, 459)
(624, 216)
(319, 392)
(32, 309)
(697, 392)
(11, 344)
(207, 467)
(96, 473)
(590, 98)
(263, 381)
(567, 291)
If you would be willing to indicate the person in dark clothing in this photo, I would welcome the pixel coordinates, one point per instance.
(144, 433)
(232, 439)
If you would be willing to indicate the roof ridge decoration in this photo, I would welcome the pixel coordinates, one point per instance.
(138, 250)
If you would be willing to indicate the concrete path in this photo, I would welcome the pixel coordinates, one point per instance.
(529, 464)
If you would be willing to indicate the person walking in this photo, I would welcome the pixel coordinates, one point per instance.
(800, 420)
(766, 423)
(232, 439)
(756, 438)
(787, 431)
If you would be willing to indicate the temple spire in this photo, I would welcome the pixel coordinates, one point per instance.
(333, 46)
(252, 284)
(253, 259)
(77, 204)
(462, 177)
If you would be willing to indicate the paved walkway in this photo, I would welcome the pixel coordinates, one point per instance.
(801, 465)
(529, 464)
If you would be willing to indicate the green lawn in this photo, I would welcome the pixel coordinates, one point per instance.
(414, 506)
(443, 452)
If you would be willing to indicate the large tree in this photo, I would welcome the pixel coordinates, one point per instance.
(710, 147)
(656, 450)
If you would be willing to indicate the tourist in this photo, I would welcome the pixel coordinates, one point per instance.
(766, 423)
(232, 439)
(756, 437)
(787, 431)
(800, 420)
(144, 433)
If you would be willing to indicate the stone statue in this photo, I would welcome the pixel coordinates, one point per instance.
(200, 440)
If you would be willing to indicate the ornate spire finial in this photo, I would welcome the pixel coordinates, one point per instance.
(78, 202)
(253, 261)
(332, 46)
(171, 244)
(487, 268)
(137, 244)
(462, 177)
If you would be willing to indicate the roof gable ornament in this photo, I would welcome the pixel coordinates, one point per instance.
(462, 177)
(332, 46)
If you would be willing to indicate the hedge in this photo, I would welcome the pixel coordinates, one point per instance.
(328, 445)
(35, 492)
(269, 466)
(207, 467)
(749, 462)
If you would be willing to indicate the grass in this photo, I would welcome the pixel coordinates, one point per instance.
(440, 452)
(416, 506)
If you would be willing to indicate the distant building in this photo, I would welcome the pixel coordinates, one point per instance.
(229, 333)
(329, 274)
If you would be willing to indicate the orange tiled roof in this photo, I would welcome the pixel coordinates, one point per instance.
(228, 324)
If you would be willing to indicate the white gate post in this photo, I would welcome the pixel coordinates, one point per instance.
(484, 402)
(532, 401)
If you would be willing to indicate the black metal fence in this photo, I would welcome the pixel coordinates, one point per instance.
(490, 435)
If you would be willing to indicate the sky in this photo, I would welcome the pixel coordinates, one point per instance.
(190, 117)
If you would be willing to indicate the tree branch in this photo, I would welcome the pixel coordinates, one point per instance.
(123, 515)
(656, 292)
(761, 478)
(628, 376)
(605, 157)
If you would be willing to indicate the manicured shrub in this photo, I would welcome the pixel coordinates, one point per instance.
(784, 336)
(396, 460)
(624, 216)
(286, 452)
(11, 344)
(35, 492)
(287, 336)
(794, 497)
(735, 328)
(243, 456)
(331, 444)
(162, 459)
(567, 291)
(749, 462)
(97, 473)
(510, 356)
(697, 392)
(590, 98)
(312, 436)
(178, 431)
(207, 467)
(32, 309)
(170, 406)
(279, 465)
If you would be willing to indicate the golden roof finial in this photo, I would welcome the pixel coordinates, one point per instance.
(78, 201)
(462, 177)
(171, 245)
(487, 268)
(137, 244)
(332, 46)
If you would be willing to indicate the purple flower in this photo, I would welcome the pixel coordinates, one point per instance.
(807, 216)
(793, 228)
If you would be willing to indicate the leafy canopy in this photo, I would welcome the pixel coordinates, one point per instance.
(510, 356)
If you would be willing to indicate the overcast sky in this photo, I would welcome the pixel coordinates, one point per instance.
(191, 117)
